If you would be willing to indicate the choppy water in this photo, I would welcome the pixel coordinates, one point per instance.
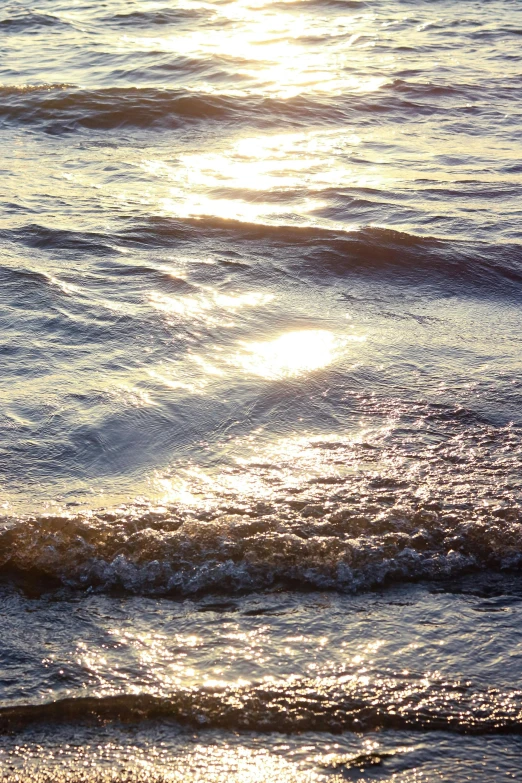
(261, 397)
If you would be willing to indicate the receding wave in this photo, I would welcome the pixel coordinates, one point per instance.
(329, 704)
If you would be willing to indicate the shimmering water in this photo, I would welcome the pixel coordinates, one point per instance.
(261, 277)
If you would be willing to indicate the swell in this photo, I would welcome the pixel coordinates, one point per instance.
(59, 107)
(481, 267)
(40, 237)
(326, 705)
(29, 20)
(159, 16)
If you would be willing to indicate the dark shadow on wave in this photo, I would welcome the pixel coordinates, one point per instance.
(478, 267)
(325, 705)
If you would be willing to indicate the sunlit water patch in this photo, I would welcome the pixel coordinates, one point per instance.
(260, 400)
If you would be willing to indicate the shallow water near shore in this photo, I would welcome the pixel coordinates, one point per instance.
(311, 686)
(260, 457)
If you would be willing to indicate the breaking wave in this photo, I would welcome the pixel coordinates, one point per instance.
(341, 515)
(168, 552)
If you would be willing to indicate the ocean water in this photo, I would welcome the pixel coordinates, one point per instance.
(261, 391)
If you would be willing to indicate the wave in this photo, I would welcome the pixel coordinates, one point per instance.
(341, 5)
(471, 265)
(499, 88)
(478, 265)
(160, 16)
(27, 20)
(66, 108)
(344, 516)
(300, 545)
(349, 703)
(41, 237)
(61, 108)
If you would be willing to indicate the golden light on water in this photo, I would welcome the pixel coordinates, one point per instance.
(208, 305)
(214, 489)
(183, 205)
(290, 355)
(268, 177)
(260, 178)
(272, 49)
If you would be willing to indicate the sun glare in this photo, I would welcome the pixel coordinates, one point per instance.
(290, 355)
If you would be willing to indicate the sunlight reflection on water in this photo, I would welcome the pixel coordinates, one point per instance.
(292, 354)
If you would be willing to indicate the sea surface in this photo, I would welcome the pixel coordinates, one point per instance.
(261, 391)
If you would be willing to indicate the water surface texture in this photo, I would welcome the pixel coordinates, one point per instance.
(261, 396)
